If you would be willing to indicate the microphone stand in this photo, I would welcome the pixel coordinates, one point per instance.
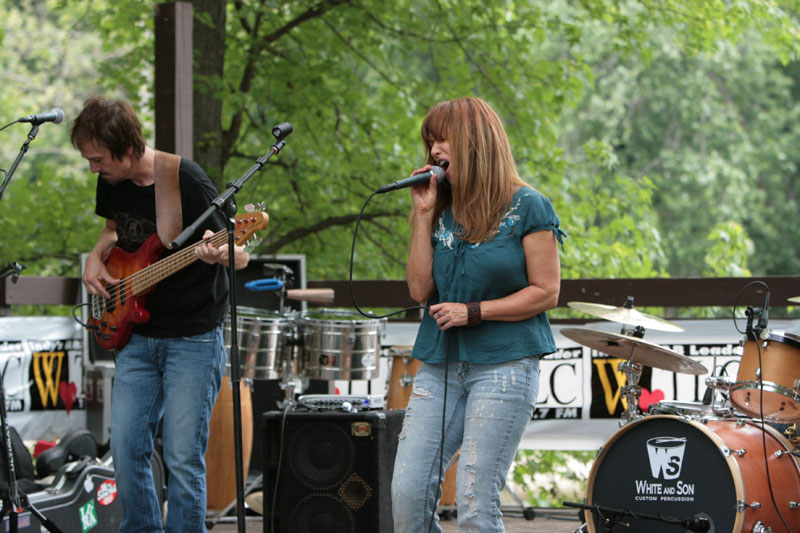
(22, 151)
(610, 517)
(226, 204)
(15, 501)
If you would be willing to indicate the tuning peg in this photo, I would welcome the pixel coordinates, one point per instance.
(252, 244)
(255, 208)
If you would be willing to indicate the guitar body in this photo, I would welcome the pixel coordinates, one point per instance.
(112, 320)
(123, 311)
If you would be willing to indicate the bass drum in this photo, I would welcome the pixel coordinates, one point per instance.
(667, 466)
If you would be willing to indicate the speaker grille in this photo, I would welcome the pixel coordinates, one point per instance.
(321, 456)
(355, 492)
(321, 512)
(336, 470)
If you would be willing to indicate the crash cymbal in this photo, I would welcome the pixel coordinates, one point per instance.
(635, 349)
(625, 315)
(794, 299)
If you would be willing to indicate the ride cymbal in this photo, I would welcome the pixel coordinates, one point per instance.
(625, 315)
(635, 349)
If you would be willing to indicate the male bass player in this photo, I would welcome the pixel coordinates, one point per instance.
(171, 367)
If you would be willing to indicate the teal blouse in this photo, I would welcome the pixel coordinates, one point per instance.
(464, 272)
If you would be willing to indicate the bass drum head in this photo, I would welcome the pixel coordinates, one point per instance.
(663, 465)
(666, 466)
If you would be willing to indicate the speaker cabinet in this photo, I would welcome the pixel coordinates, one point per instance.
(329, 471)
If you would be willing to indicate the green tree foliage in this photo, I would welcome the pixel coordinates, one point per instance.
(356, 77)
(620, 160)
(711, 125)
(47, 210)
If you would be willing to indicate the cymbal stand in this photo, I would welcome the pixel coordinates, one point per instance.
(631, 390)
(633, 372)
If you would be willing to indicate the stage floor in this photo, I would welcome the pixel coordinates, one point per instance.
(545, 521)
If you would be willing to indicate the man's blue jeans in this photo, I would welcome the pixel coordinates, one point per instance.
(488, 408)
(177, 378)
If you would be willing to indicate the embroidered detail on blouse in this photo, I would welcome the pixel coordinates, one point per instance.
(444, 235)
(509, 220)
(447, 238)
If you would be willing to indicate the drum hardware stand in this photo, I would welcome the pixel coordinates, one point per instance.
(713, 383)
(631, 390)
(633, 372)
(527, 512)
(226, 204)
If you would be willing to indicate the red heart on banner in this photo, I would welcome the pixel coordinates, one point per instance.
(649, 398)
(68, 393)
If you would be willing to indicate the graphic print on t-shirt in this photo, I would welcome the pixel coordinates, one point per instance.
(132, 231)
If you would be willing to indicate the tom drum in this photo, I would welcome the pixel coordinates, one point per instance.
(264, 339)
(339, 344)
(780, 378)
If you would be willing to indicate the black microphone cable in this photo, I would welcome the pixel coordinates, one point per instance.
(757, 341)
(350, 280)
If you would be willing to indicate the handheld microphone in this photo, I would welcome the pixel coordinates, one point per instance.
(416, 179)
(55, 115)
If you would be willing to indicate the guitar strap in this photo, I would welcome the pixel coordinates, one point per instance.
(169, 213)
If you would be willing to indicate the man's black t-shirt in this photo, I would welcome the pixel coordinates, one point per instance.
(194, 299)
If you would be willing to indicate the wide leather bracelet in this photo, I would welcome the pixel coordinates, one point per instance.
(473, 314)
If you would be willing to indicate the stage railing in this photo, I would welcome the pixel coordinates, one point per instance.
(661, 292)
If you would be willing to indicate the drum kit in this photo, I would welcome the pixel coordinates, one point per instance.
(721, 465)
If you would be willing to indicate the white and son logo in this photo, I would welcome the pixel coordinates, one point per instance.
(666, 456)
(666, 460)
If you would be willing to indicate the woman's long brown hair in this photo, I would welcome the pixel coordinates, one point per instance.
(484, 175)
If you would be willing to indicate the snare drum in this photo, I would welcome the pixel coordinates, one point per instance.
(684, 409)
(339, 345)
(693, 410)
(668, 466)
(264, 342)
(780, 377)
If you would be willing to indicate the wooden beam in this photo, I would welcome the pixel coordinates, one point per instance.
(173, 78)
(34, 290)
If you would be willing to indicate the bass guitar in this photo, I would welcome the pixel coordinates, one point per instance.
(112, 319)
